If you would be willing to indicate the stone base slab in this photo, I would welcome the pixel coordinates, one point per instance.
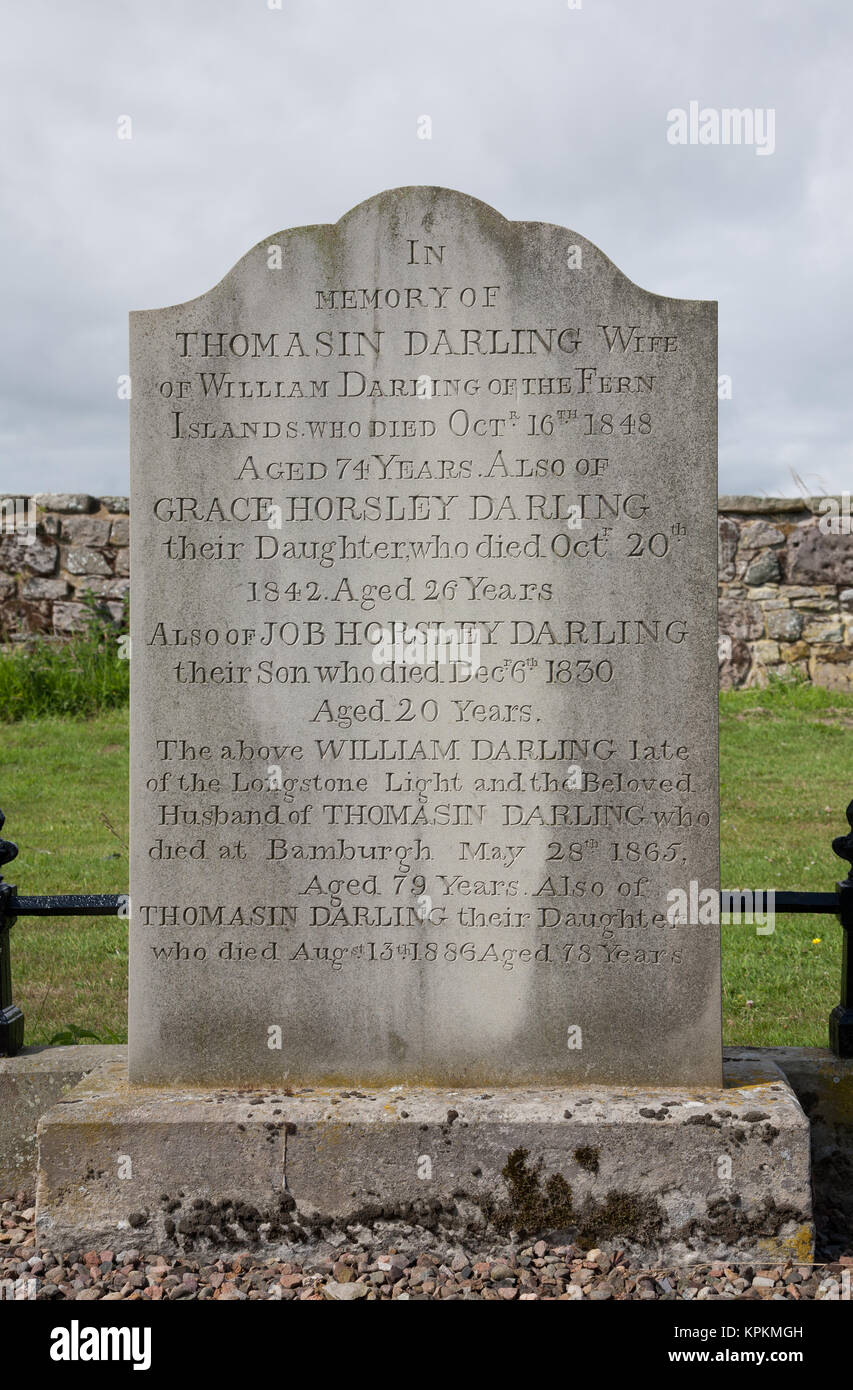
(29, 1084)
(823, 1084)
(676, 1175)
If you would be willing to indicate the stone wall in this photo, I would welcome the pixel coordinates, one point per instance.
(81, 543)
(786, 591)
(786, 585)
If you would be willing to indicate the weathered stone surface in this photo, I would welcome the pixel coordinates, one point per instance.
(846, 598)
(767, 653)
(833, 675)
(116, 504)
(740, 619)
(39, 555)
(816, 605)
(92, 584)
(638, 1168)
(769, 506)
(822, 630)
(784, 624)
(289, 949)
(814, 556)
(45, 588)
(29, 1085)
(86, 530)
(84, 561)
(120, 533)
(756, 534)
(25, 617)
(763, 570)
(65, 501)
(804, 591)
(69, 617)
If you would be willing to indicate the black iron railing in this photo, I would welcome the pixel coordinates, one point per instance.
(11, 907)
(758, 902)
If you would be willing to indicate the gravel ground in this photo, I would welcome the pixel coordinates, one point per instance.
(375, 1266)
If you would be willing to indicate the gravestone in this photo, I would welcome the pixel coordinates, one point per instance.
(424, 671)
(424, 767)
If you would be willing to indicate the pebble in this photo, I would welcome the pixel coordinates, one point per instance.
(345, 1292)
(412, 1264)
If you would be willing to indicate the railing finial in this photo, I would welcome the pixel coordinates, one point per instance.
(8, 851)
(842, 845)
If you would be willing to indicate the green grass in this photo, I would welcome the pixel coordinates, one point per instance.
(787, 775)
(58, 777)
(81, 677)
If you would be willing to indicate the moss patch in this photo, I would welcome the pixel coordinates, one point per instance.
(533, 1207)
(726, 1220)
(529, 1207)
(587, 1158)
(620, 1214)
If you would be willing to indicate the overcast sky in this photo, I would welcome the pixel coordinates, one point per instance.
(247, 119)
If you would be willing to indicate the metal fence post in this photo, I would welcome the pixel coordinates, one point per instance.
(11, 1018)
(841, 1018)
